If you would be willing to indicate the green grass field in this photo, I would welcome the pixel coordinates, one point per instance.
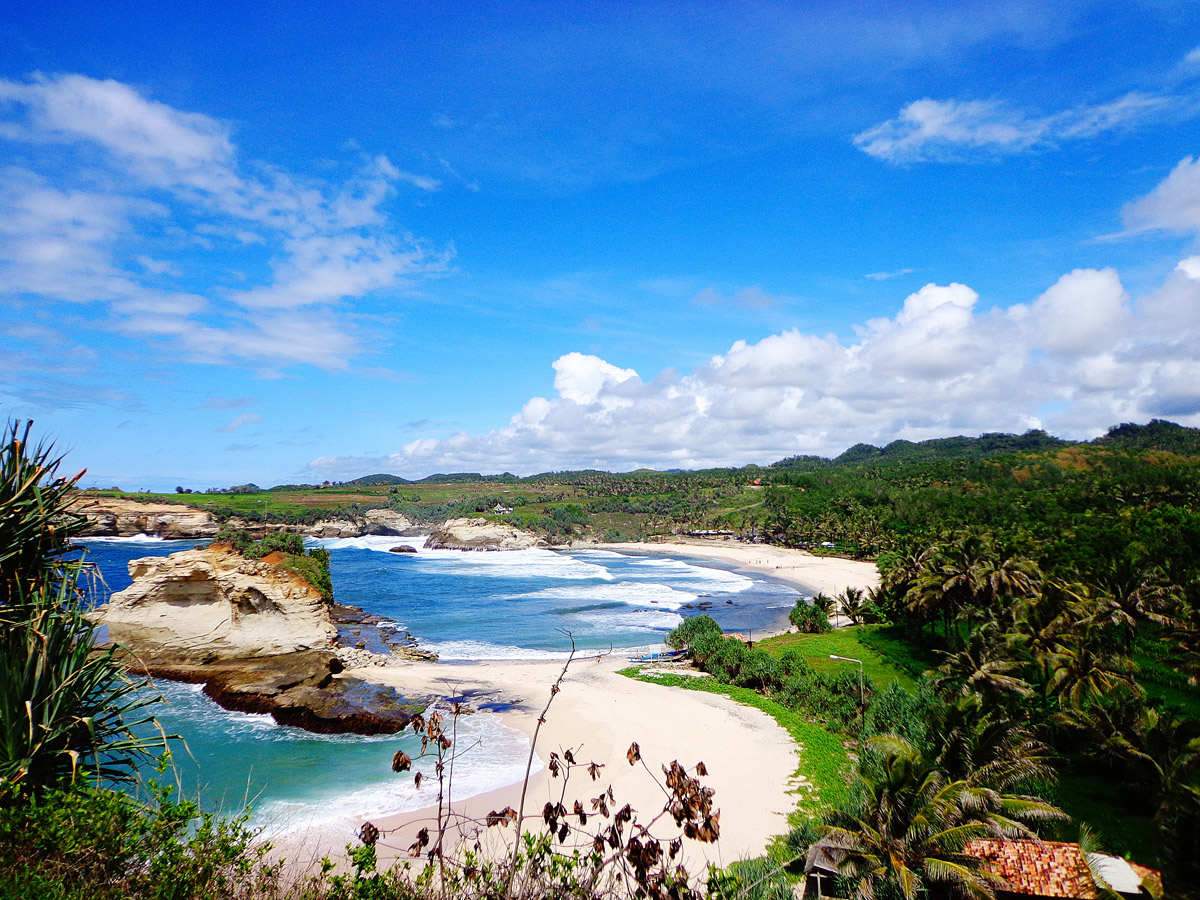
(858, 642)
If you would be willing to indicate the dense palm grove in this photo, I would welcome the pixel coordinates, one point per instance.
(1055, 593)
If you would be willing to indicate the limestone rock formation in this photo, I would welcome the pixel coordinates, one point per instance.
(385, 521)
(115, 517)
(479, 534)
(217, 601)
(334, 528)
(259, 638)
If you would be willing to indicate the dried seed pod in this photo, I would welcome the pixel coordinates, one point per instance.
(594, 769)
(634, 753)
(368, 834)
(417, 780)
(569, 756)
(701, 769)
(401, 762)
(580, 812)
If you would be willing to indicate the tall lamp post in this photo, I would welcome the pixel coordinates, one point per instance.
(861, 701)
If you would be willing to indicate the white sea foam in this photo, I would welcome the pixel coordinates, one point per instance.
(531, 563)
(629, 593)
(377, 542)
(468, 649)
(630, 620)
(135, 539)
(491, 755)
(700, 579)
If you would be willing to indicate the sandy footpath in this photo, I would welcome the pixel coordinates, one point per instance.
(750, 759)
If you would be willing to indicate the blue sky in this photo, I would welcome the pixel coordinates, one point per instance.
(292, 242)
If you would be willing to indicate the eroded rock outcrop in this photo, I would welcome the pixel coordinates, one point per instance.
(114, 517)
(259, 638)
(218, 601)
(386, 522)
(479, 534)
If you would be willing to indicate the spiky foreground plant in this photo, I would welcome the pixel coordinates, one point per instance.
(66, 709)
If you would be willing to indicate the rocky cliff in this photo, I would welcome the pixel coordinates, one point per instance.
(259, 638)
(114, 517)
(218, 601)
(117, 517)
(479, 534)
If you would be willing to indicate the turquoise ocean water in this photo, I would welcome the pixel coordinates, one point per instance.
(464, 606)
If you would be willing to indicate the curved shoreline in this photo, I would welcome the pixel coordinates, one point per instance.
(750, 758)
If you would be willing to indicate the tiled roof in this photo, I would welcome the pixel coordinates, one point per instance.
(1040, 868)
(1045, 868)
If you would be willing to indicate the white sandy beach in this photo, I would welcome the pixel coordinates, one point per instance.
(750, 759)
(826, 574)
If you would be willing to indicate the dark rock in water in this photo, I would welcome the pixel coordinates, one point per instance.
(297, 689)
(258, 638)
(343, 614)
(402, 548)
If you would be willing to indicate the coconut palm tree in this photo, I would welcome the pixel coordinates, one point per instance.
(1079, 670)
(987, 665)
(1161, 753)
(850, 604)
(976, 742)
(907, 832)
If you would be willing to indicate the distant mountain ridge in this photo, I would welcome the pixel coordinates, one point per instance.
(1157, 434)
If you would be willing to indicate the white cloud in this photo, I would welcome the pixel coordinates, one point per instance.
(884, 276)
(752, 297)
(939, 366)
(120, 182)
(1086, 311)
(582, 379)
(243, 419)
(1174, 205)
(947, 130)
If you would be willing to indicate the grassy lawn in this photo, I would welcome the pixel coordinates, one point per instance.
(823, 759)
(858, 642)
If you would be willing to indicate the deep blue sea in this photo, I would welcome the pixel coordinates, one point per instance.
(464, 606)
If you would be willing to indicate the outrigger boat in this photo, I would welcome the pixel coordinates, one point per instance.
(660, 657)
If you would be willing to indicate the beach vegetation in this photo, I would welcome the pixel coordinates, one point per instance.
(68, 711)
(809, 618)
(310, 564)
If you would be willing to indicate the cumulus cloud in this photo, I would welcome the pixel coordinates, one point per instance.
(949, 130)
(115, 183)
(1077, 358)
